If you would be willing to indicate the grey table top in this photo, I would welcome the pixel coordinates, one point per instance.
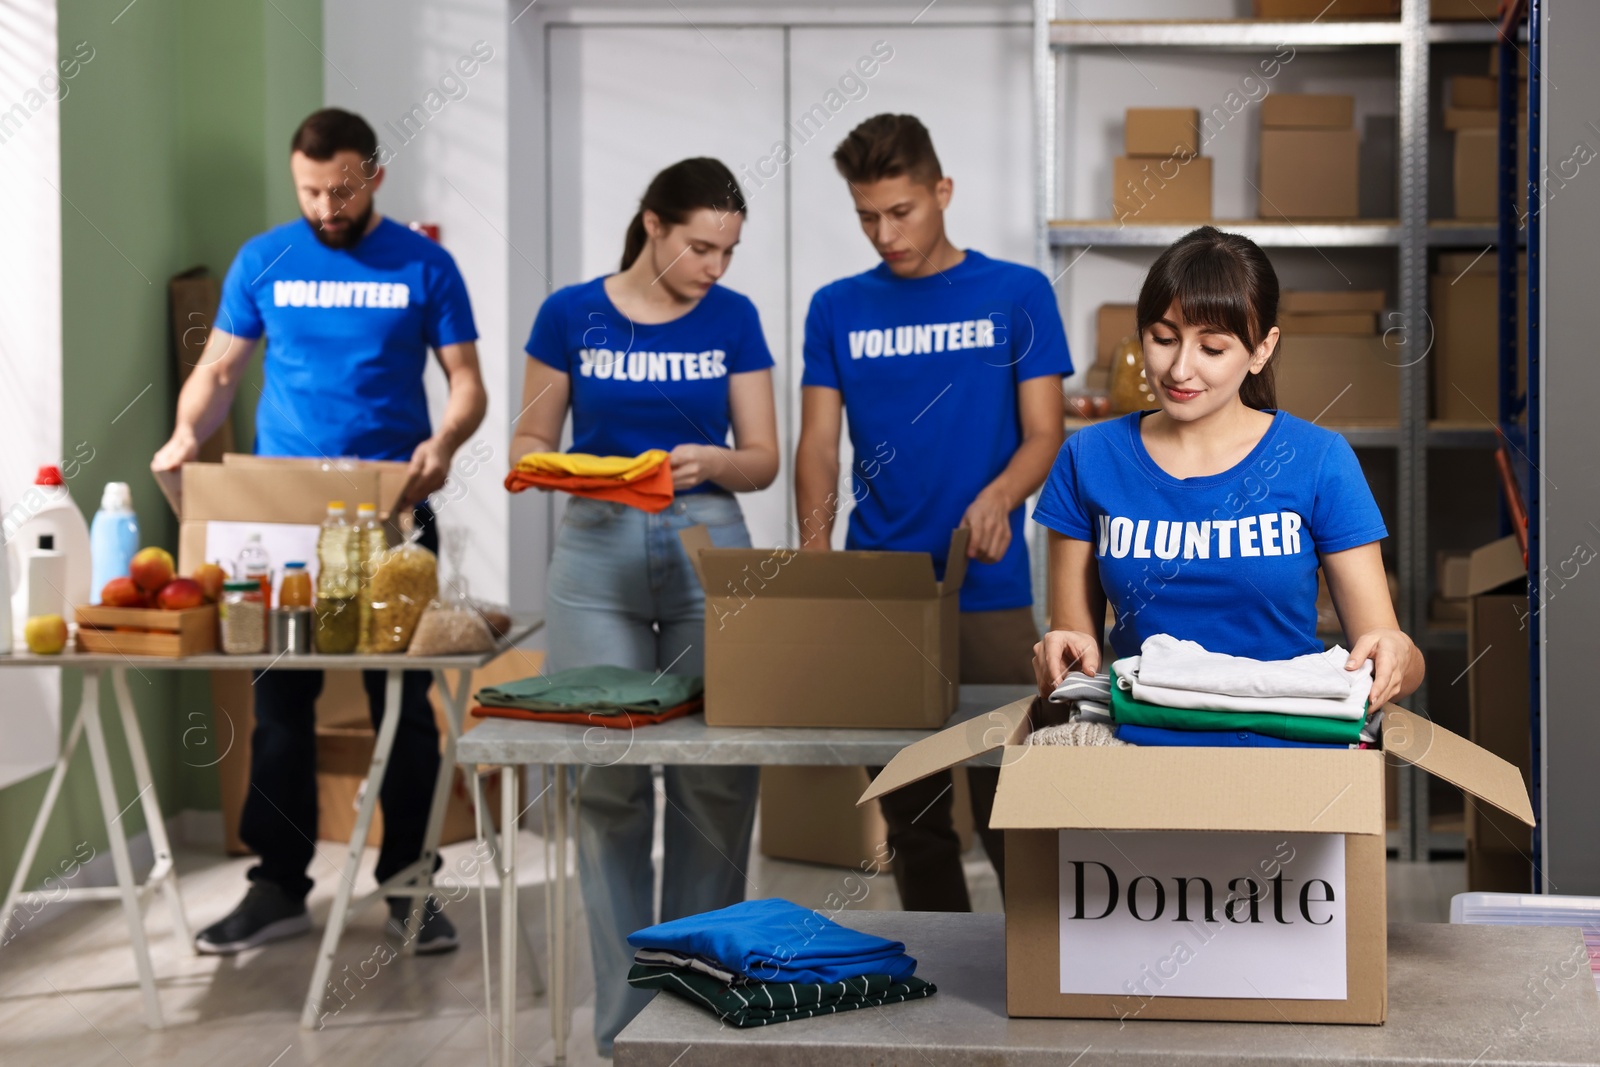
(1457, 995)
(522, 627)
(689, 740)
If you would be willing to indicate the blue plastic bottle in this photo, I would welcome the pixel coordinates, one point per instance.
(113, 538)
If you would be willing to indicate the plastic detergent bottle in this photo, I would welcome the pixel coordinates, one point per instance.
(47, 508)
(113, 538)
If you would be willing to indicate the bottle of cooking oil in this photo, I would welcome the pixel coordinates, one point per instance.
(370, 544)
(338, 585)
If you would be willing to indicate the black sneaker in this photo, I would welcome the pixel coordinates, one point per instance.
(437, 934)
(267, 913)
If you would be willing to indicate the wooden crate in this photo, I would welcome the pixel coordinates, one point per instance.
(148, 631)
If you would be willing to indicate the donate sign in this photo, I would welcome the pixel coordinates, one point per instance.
(1215, 914)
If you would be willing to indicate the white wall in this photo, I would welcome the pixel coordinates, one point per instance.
(30, 334)
(383, 59)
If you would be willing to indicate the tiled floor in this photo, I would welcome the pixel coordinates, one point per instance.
(68, 995)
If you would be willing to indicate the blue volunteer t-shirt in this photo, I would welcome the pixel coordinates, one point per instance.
(348, 333)
(928, 369)
(1228, 560)
(634, 386)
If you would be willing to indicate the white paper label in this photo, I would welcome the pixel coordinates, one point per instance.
(1163, 914)
(285, 542)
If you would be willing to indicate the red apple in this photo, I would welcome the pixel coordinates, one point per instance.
(122, 593)
(151, 568)
(179, 595)
(210, 576)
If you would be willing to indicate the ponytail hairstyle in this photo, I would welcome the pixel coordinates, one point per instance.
(679, 191)
(1221, 280)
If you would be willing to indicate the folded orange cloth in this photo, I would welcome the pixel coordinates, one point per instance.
(621, 720)
(644, 482)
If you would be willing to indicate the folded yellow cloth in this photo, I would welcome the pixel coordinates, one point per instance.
(583, 465)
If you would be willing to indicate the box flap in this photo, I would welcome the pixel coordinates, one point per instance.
(787, 572)
(248, 493)
(171, 485)
(695, 539)
(1003, 726)
(955, 562)
(392, 474)
(1423, 743)
(1129, 788)
(1495, 564)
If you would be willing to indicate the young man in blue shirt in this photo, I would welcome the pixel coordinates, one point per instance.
(947, 367)
(349, 303)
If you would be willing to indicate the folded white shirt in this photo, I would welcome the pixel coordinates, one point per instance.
(1131, 674)
(1170, 663)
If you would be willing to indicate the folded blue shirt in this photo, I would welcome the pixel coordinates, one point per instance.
(779, 941)
(1160, 736)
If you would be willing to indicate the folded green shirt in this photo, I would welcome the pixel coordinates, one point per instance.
(764, 1003)
(1290, 727)
(600, 689)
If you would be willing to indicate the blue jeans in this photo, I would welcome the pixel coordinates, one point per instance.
(622, 591)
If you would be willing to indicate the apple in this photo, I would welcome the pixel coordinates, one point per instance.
(210, 576)
(46, 635)
(179, 595)
(122, 593)
(151, 568)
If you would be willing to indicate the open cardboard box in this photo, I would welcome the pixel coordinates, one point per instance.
(864, 639)
(1208, 829)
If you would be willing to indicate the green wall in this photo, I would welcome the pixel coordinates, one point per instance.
(174, 150)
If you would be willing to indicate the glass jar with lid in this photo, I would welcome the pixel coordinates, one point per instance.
(242, 618)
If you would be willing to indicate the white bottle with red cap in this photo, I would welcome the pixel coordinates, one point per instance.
(47, 509)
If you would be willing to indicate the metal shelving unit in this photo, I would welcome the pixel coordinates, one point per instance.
(1410, 236)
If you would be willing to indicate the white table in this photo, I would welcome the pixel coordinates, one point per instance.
(510, 744)
(414, 881)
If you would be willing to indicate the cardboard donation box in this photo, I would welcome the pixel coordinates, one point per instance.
(864, 639)
(1194, 883)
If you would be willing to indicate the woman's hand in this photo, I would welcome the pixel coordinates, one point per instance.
(693, 464)
(1060, 651)
(1392, 654)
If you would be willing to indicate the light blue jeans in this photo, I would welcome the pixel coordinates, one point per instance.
(621, 591)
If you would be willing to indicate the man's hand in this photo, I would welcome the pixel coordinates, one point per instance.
(430, 466)
(693, 464)
(990, 522)
(179, 449)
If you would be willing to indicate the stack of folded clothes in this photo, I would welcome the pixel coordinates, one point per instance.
(771, 961)
(1175, 693)
(595, 696)
(643, 481)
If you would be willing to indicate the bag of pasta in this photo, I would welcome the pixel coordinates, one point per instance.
(451, 627)
(404, 581)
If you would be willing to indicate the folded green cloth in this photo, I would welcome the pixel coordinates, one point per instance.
(764, 1003)
(1290, 727)
(600, 689)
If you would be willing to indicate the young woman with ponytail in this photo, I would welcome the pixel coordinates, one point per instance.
(1207, 518)
(655, 356)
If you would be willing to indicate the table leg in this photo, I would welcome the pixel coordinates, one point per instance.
(509, 800)
(30, 850)
(559, 1015)
(163, 871)
(487, 943)
(455, 706)
(310, 1016)
(106, 787)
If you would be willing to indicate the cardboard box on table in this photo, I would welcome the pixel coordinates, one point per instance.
(1499, 849)
(809, 814)
(862, 639)
(1171, 805)
(270, 491)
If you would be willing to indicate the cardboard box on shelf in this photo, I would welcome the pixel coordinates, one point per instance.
(1324, 9)
(1270, 862)
(1112, 323)
(809, 815)
(1161, 190)
(1161, 132)
(864, 639)
(1308, 111)
(1315, 300)
(1450, 571)
(1471, 118)
(1341, 378)
(1463, 10)
(1343, 322)
(1465, 311)
(1474, 90)
(1494, 51)
(1309, 174)
(1499, 849)
(1476, 173)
